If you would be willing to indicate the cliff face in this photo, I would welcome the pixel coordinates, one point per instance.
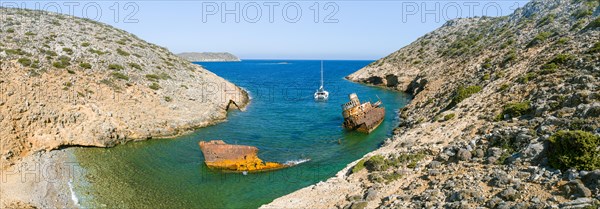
(209, 57)
(497, 101)
(66, 81)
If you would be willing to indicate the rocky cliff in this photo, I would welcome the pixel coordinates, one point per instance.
(505, 115)
(67, 81)
(209, 57)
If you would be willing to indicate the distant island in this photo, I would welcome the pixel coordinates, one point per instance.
(209, 57)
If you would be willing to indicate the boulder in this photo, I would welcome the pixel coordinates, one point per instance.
(464, 155)
(371, 194)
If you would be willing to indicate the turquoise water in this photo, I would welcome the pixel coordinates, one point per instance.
(282, 120)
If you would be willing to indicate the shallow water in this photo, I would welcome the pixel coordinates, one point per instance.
(282, 120)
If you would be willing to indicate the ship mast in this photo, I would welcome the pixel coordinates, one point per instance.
(321, 73)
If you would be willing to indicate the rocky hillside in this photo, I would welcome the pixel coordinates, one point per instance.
(505, 115)
(209, 57)
(67, 81)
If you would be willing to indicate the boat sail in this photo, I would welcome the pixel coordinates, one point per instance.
(321, 94)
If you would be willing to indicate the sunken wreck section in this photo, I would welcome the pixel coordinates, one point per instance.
(364, 117)
(229, 157)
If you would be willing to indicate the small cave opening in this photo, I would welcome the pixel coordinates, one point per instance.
(375, 80)
(391, 80)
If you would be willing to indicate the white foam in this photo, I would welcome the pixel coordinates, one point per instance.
(296, 162)
(73, 196)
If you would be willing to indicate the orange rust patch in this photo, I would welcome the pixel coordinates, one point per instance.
(220, 155)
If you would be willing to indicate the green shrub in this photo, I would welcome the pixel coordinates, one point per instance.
(85, 65)
(122, 53)
(63, 62)
(58, 65)
(154, 86)
(122, 42)
(64, 59)
(110, 83)
(389, 177)
(574, 149)
(486, 66)
(152, 77)
(51, 53)
(548, 68)
(499, 117)
(85, 44)
(504, 87)
(161, 76)
(70, 71)
(98, 52)
(546, 20)
(486, 77)
(508, 43)
(119, 75)
(35, 64)
(527, 77)
(594, 24)
(164, 76)
(359, 166)
(559, 59)
(510, 57)
(10, 30)
(68, 50)
(581, 13)
(463, 93)
(168, 99)
(376, 163)
(517, 109)
(29, 33)
(134, 65)
(15, 51)
(562, 59)
(539, 38)
(25, 62)
(562, 40)
(595, 48)
(449, 117)
(115, 67)
(578, 25)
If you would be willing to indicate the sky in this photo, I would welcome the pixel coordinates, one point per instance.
(350, 29)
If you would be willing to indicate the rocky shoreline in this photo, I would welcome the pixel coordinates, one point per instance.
(41, 180)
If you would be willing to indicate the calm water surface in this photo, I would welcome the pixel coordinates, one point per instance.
(282, 120)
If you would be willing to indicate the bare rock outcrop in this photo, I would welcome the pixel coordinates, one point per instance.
(67, 81)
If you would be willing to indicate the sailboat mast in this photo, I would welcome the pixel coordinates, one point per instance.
(321, 73)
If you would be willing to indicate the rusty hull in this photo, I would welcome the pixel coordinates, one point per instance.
(364, 117)
(220, 155)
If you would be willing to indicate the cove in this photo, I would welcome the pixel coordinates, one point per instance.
(282, 120)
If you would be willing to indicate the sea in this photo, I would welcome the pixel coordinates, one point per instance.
(282, 120)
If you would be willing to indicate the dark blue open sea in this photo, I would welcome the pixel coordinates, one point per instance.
(282, 120)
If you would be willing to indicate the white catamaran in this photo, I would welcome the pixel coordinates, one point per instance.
(321, 94)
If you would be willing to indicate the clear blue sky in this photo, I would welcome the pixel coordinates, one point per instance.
(364, 29)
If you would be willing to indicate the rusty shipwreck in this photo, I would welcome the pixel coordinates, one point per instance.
(236, 158)
(364, 117)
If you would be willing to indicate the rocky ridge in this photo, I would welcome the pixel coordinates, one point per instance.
(209, 57)
(68, 81)
(493, 100)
